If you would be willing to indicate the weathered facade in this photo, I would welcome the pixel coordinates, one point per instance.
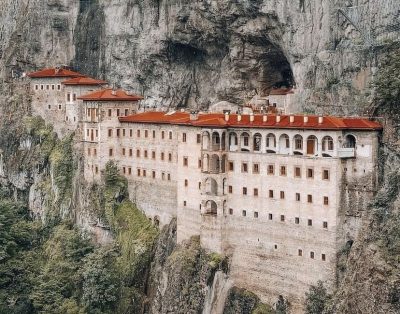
(279, 194)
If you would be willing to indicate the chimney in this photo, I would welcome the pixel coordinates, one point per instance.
(320, 119)
(239, 117)
(278, 119)
(226, 116)
(291, 119)
(305, 119)
(194, 115)
(265, 118)
(251, 117)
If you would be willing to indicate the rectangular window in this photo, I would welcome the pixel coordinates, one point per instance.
(169, 177)
(138, 153)
(269, 216)
(95, 152)
(96, 169)
(231, 166)
(126, 112)
(146, 133)
(230, 211)
(184, 137)
(169, 157)
(162, 134)
(36, 87)
(170, 135)
(325, 224)
(59, 107)
(282, 218)
(255, 214)
(118, 113)
(297, 172)
(130, 152)
(47, 87)
(198, 138)
(230, 189)
(312, 255)
(325, 174)
(323, 257)
(110, 152)
(163, 176)
(310, 173)
(118, 132)
(123, 152)
(123, 132)
(296, 220)
(309, 198)
(162, 156)
(199, 163)
(74, 97)
(153, 155)
(124, 170)
(138, 133)
(184, 203)
(199, 185)
(88, 151)
(68, 97)
(300, 252)
(326, 200)
(144, 172)
(130, 170)
(153, 174)
(59, 86)
(271, 193)
(154, 134)
(298, 197)
(271, 169)
(186, 182)
(256, 168)
(244, 191)
(145, 154)
(283, 171)
(255, 192)
(185, 161)
(282, 195)
(109, 112)
(130, 133)
(243, 213)
(53, 87)
(244, 167)
(138, 172)
(309, 222)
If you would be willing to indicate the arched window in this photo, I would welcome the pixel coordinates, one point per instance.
(271, 140)
(257, 142)
(244, 141)
(298, 142)
(211, 208)
(211, 187)
(233, 142)
(206, 163)
(350, 141)
(327, 143)
(216, 141)
(206, 140)
(214, 164)
(284, 144)
(312, 144)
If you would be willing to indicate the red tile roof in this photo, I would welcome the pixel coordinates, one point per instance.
(110, 95)
(53, 72)
(84, 81)
(218, 120)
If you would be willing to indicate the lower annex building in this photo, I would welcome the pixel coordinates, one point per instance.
(280, 194)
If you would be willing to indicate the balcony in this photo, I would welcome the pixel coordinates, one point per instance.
(346, 152)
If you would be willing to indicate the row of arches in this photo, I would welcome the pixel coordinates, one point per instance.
(297, 145)
(212, 163)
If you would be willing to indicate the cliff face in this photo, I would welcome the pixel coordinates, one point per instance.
(193, 53)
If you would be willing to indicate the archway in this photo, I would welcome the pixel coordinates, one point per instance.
(312, 144)
(211, 208)
(211, 187)
(257, 142)
(350, 141)
(233, 142)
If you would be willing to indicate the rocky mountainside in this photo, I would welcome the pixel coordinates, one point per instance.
(194, 53)
(182, 53)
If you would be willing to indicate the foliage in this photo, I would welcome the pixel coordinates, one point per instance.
(316, 299)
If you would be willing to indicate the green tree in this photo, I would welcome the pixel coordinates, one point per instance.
(316, 299)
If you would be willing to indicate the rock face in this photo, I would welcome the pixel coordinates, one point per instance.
(195, 53)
